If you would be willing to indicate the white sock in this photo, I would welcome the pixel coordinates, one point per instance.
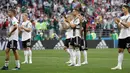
(30, 55)
(6, 63)
(71, 54)
(68, 51)
(17, 63)
(120, 59)
(73, 58)
(78, 57)
(85, 56)
(26, 55)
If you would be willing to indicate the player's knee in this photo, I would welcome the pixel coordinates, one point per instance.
(129, 51)
(121, 50)
(6, 51)
(14, 51)
(7, 59)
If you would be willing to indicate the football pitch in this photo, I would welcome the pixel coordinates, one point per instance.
(53, 61)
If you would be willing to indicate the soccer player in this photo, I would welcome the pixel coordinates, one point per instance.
(75, 42)
(64, 25)
(12, 43)
(83, 45)
(69, 36)
(26, 29)
(124, 36)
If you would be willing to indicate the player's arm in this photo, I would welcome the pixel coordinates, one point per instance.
(71, 25)
(28, 29)
(14, 28)
(75, 23)
(125, 24)
(117, 21)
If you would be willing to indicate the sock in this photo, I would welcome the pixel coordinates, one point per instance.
(68, 50)
(73, 57)
(30, 55)
(17, 63)
(120, 59)
(71, 54)
(78, 57)
(6, 63)
(26, 55)
(85, 56)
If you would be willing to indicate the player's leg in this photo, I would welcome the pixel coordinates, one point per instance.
(128, 44)
(29, 50)
(120, 59)
(66, 46)
(73, 53)
(85, 57)
(25, 56)
(67, 49)
(78, 53)
(7, 52)
(83, 49)
(7, 55)
(16, 55)
(25, 52)
(17, 61)
(30, 55)
(128, 50)
(78, 57)
(122, 46)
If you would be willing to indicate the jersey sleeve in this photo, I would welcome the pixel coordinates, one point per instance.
(14, 23)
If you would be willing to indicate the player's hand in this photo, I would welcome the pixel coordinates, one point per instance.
(117, 20)
(22, 27)
(9, 34)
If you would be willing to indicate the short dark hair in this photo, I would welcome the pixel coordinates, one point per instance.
(126, 6)
(13, 11)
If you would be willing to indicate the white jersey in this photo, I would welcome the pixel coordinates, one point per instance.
(69, 33)
(14, 35)
(125, 32)
(26, 35)
(76, 21)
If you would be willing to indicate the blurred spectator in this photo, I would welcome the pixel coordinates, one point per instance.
(99, 14)
(114, 35)
(89, 36)
(93, 35)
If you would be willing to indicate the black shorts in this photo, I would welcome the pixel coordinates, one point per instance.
(12, 44)
(67, 42)
(83, 45)
(76, 42)
(124, 43)
(26, 43)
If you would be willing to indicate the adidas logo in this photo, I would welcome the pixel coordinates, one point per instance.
(59, 45)
(3, 45)
(102, 45)
(38, 46)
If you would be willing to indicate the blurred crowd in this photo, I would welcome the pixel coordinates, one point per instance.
(45, 15)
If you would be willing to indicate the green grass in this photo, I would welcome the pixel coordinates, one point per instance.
(53, 61)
